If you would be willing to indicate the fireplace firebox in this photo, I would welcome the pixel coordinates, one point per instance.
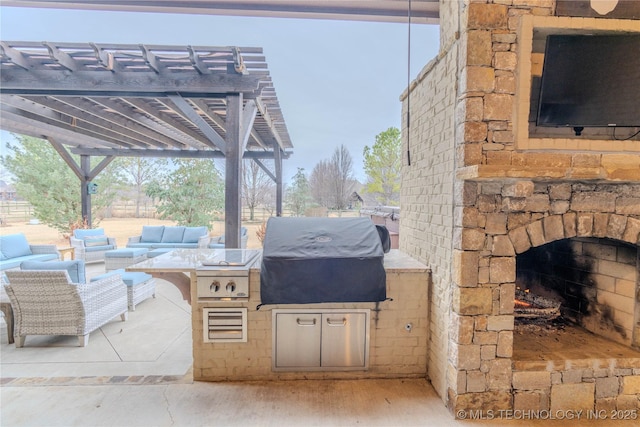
(594, 280)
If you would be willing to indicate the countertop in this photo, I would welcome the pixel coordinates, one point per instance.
(400, 262)
(187, 260)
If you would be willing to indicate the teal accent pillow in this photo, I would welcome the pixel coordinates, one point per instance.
(91, 241)
(74, 268)
(14, 245)
(152, 233)
(172, 234)
(81, 233)
(192, 234)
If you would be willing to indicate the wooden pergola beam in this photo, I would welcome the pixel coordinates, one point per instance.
(201, 154)
(117, 125)
(248, 117)
(265, 169)
(125, 84)
(39, 116)
(191, 114)
(184, 133)
(26, 123)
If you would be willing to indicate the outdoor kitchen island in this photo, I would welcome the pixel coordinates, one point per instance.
(390, 339)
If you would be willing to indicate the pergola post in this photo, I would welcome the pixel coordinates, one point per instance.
(85, 197)
(233, 171)
(277, 157)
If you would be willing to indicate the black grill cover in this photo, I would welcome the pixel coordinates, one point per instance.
(316, 260)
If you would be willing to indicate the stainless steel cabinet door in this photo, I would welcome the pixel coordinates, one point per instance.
(343, 340)
(298, 340)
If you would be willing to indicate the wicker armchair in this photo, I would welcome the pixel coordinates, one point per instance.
(90, 245)
(46, 302)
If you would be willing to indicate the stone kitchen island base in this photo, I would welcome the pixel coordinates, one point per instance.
(397, 331)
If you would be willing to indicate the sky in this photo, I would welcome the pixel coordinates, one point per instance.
(338, 82)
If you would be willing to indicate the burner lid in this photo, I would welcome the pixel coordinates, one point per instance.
(231, 257)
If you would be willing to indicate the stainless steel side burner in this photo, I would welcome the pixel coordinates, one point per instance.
(224, 276)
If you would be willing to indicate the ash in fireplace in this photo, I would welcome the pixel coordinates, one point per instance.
(539, 326)
(528, 305)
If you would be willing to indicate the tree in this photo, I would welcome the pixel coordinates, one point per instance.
(341, 177)
(382, 164)
(256, 186)
(319, 184)
(298, 194)
(331, 181)
(138, 172)
(50, 186)
(109, 185)
(191, 195)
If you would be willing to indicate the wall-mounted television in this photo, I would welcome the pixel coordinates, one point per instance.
(590, 81)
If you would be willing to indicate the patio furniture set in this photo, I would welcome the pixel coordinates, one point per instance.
(46, 296)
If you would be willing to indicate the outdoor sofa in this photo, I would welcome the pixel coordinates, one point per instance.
(14, 249)
(160, 236)
(91, 244)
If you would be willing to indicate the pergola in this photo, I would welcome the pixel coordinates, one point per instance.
(147, 101)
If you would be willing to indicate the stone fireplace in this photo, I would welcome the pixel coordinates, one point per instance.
(490, 202)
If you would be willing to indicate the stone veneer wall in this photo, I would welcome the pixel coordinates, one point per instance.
(605, 388)
(394, 351)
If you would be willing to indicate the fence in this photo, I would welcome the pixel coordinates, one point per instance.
(13, 211)
(127, 209)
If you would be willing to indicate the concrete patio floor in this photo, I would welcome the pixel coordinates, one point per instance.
(155, 340)
(138, 373)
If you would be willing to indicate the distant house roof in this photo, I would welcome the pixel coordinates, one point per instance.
(355, 197)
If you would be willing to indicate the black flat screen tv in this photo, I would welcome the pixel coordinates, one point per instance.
(590, 81)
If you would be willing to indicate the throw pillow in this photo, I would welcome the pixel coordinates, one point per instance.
(81, 233)
(172, 234)
(14, 245)
(192, 234)
(93, 241)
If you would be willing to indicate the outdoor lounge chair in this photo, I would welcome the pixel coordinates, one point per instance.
(47, 302)
(90, 245)
(217, 242)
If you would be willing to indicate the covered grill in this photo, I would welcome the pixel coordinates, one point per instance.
(317, 260)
